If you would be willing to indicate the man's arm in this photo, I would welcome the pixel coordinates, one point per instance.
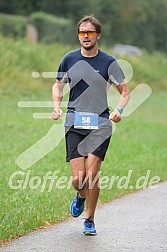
(57, 94)
(123, 89)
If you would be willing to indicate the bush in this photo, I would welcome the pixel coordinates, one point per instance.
(13, 25)
(52, 29)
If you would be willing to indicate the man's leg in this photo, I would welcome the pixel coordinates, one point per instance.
(78, 172)
(92, 192)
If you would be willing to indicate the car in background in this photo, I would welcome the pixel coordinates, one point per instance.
(127, 50)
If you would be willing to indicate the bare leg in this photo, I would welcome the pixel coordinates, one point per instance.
(78, 172)
(92, 192)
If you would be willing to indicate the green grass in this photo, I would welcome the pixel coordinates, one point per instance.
(138, 144)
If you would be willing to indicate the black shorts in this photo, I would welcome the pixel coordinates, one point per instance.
(81, 142)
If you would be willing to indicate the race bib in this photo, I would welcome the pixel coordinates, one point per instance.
(85, 120)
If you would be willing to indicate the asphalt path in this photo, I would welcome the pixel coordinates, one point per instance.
(136, 222)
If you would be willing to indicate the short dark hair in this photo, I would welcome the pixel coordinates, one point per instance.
(91, 19)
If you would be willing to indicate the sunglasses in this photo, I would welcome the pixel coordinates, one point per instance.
(89, 33)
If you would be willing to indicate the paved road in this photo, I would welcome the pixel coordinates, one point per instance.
(137, 222)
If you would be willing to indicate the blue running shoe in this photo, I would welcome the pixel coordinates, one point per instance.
(77, 206)
(89, 227)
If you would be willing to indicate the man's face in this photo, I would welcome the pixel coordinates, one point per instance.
(88, 36)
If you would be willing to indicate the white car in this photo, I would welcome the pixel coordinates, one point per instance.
(127, 50)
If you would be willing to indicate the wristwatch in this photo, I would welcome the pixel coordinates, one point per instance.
(120, 109)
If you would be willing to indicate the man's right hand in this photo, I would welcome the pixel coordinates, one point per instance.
(57, 113)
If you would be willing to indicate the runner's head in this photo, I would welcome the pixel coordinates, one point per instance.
(89, 32)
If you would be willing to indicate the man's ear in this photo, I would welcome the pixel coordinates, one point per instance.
(98, 36)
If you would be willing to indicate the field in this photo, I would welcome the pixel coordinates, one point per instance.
(138, 145)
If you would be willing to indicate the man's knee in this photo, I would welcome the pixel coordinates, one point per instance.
(78, 182)
(92, 178)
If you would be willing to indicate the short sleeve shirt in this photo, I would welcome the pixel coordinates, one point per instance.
(89, 80)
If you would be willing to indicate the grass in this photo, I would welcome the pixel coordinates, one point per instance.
(138, 144)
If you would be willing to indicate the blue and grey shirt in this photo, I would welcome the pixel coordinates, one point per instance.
(89, 80)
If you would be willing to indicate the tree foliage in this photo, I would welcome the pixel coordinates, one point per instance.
(137, 22)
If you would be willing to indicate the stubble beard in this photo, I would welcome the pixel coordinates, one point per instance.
(88, 48)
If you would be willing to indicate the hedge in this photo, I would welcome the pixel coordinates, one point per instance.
(53, 29)
(13, 25)
(50, 28)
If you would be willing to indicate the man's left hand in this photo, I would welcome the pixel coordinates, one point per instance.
(115, 116)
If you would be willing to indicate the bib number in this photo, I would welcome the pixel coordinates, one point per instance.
(84, 120)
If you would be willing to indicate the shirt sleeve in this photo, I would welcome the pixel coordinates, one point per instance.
(62, 71)
(115, 73)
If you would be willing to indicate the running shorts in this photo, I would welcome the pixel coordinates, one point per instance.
(81, 142)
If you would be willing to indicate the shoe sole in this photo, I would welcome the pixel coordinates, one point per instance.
(89, 233)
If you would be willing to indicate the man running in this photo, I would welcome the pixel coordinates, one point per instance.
(89, 72)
